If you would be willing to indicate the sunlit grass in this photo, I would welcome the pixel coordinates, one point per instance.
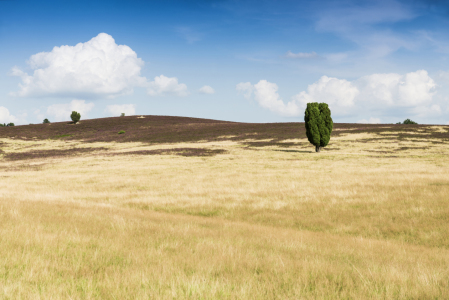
(367, 219)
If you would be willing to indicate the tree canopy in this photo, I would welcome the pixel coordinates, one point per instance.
(75, 116)
(319, 124)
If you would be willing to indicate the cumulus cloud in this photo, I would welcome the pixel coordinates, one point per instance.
(301, 55)
(370, 121)
(163, 85)
(62, 112)
(338, 93)
(6, 117)
(393, 89)
(95, 68)
(416, 88)
(413, 91)
(117, 110)
(265, 93)
(206, 90)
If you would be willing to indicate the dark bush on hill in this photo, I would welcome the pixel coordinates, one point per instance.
(75, 116)
(407, 121)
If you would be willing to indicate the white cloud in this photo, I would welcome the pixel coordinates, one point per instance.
(163, 85)
(416, 88)
(265, 93)
(338, 93)
(206, 90)
(335, 92)
(370, 121)
(301, 55)
(393, 89)
(381, 88)
(117, 110)
(245, 88)
(413, 91)
(95, 68)
(6, 117)
(62, 112)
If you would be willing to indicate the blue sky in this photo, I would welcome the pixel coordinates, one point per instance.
(248, 61)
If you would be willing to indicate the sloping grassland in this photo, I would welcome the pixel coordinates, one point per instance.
(184, 208)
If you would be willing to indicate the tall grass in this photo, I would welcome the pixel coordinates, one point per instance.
(254, 223)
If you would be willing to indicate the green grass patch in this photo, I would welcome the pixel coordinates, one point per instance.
(62, 136)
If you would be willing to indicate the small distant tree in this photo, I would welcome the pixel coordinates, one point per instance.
(75, 116)
(122, 114)
(46, 121)
(10, 124)
(319, 124)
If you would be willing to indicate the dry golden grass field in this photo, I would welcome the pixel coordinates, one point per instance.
(180, 208)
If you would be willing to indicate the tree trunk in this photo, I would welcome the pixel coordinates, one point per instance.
(317, 148)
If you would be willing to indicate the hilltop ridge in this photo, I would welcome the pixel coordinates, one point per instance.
(169, 129)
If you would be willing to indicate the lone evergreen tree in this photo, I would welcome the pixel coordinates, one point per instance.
(75, 116)
(46, 121)
(318, 124)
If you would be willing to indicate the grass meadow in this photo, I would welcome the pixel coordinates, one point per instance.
(195, 209)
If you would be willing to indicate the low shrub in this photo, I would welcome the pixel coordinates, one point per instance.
(407, 121)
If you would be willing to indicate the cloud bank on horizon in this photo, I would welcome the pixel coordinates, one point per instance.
(377, 92)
